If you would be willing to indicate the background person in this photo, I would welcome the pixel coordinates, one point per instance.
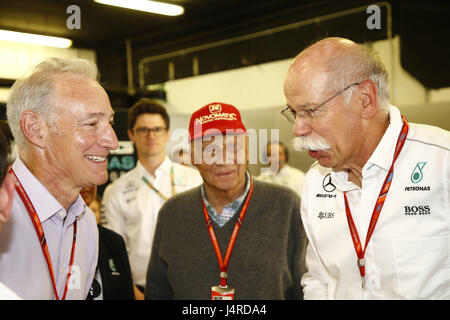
(285, 175)
(113, 276)
(6, 199)
(267, 256)
(131, 204)
(376, 230)
(61, 118)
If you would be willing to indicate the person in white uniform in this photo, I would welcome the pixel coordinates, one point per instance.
(376, 204)
(282, 173)
(131, 204)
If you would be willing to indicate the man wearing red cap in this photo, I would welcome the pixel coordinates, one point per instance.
(232, 237)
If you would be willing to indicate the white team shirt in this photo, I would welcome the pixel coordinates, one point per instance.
(287, 176)
(131, 208)
(408, 256)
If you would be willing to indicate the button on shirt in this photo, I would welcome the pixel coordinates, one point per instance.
(408, 256)
(131, 207)
(230, 209)
(23, 267)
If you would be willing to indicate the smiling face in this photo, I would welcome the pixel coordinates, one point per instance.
(76, 149)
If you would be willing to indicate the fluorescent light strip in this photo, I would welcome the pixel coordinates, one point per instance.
(35, 39)
(146, 5)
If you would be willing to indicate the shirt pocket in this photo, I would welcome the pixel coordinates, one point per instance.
(422, 267)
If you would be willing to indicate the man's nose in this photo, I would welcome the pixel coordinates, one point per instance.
(109, 139)
(301, 127)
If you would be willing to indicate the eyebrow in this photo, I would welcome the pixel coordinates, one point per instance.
(303, 106)
(95, 115)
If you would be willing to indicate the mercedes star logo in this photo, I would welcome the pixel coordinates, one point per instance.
(327, 185)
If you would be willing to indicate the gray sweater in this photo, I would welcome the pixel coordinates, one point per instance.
(267, 262)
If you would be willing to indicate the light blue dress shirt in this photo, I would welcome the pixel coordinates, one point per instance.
(22, 264)
(230, 209)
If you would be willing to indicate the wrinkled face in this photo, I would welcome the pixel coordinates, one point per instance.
(149, 134)
(221, 160)
(330, 136)
(77, 148)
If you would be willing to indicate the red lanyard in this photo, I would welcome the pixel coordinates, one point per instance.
(360, 252)
(223, 264)
(41, 236)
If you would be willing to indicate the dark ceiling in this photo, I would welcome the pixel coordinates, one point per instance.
(203, 20)
(105, 28)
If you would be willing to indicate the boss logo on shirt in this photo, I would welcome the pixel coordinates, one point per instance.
(417, 210)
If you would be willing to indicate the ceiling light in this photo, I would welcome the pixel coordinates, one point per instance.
(35, 39)
(146, 5)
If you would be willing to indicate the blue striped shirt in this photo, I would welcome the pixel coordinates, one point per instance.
(230, 209)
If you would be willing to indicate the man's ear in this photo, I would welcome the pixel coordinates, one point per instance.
(130, 135)
(33, 127)
(6, 198)
(368, 97)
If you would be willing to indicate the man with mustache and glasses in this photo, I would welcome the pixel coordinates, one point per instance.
(233, 237)
(375, 230)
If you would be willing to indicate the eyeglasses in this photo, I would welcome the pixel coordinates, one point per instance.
(308, 113)
(144, 131)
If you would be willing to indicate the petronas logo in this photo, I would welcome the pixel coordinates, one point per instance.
(417, 174)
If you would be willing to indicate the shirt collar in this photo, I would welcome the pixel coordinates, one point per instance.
(43, 201)
(384, 152)
(284, 171)
(230, 209)
(164, 168)
(381, 157)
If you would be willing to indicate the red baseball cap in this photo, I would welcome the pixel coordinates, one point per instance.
(215, 118)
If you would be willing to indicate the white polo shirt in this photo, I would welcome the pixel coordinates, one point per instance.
(131, 208)
(408, 256)
(287, 176)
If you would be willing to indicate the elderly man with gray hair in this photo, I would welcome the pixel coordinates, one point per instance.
(376, 204)
(61, 118)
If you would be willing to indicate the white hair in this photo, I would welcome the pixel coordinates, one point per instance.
(35, 91)
(357, 65)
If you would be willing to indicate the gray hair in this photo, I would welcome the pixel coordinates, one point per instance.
(35, 91)
(356, 65)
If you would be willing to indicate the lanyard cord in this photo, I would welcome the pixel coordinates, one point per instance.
(41, 236)
(360, 252)
(223, 263)
(172, 185)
